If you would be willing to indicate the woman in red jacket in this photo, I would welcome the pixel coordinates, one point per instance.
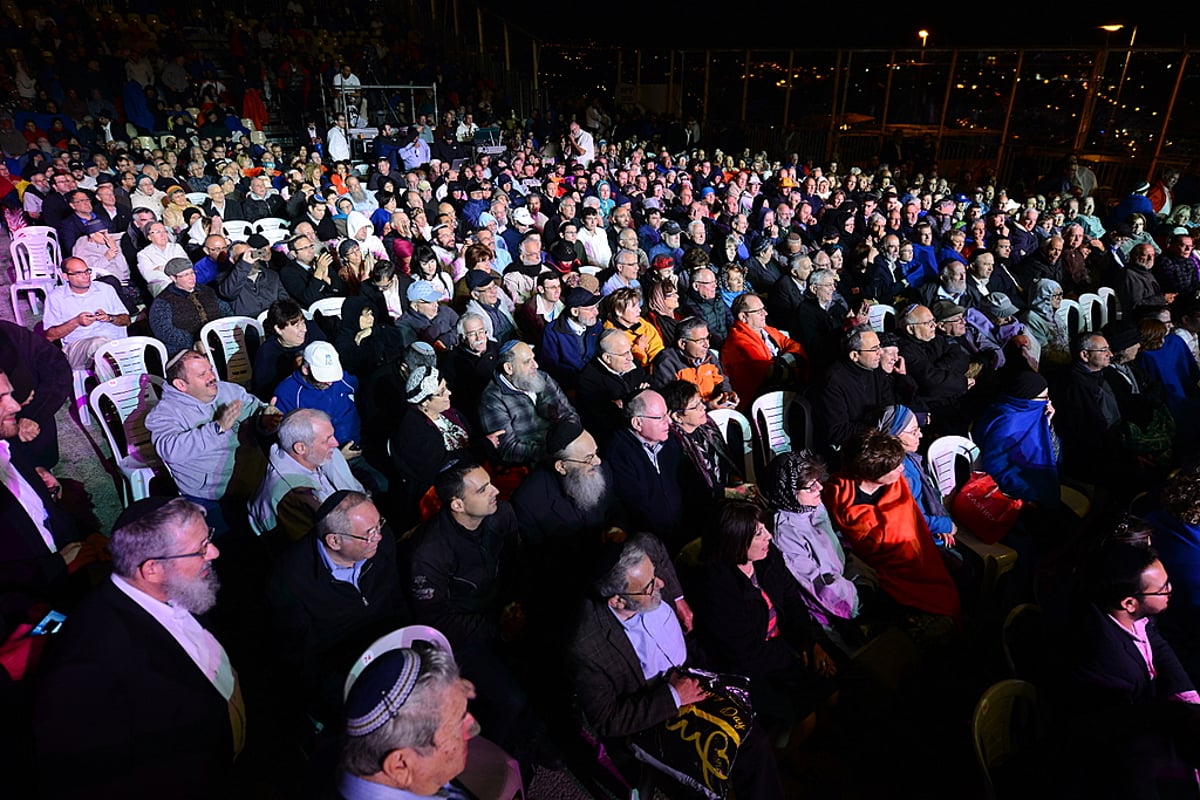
(873, 508)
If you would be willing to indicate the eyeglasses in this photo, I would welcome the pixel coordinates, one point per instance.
(755, 311)
(81, 272)
(924, 322)
(874, 349)
(698, 339)
(651, 416)
(647, 590)
(201, 553)
(1098, 350)
(953, 320)
(373, 533)
(591, 459)
(1164, 592)
(812, 487)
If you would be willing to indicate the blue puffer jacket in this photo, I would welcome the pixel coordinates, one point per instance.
(337, 401)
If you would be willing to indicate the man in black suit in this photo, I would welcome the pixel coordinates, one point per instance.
(651, 473)
(787, 294)
(40, 546)
(1133, 712)
(605, 382)
(625, 657)
(137, 694)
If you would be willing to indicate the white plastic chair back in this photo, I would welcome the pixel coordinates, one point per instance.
(37, 257)
(327, 307)
(878, 316)
(238, 230)
(35, 260)
(133, 355)
(725, 417)
(1069, 317)
(397, 639)
(768, 416)
(120, 407)
(197, 198)
(589, 270)
(276, 235)
(1092, 312)
(271, 224)
(1111, 306)
(942, 461)
(230, 343)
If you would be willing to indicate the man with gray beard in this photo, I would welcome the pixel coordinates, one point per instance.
(568, 497)
(524, 402)
(135, 687)
(564, 509)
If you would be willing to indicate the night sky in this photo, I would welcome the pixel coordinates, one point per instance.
(833, 25)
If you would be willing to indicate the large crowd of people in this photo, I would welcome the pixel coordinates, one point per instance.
(481, 402)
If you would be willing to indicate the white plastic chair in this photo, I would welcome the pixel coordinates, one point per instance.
(768, 416)
(228, 344)
(271, 224)
(1111, 305)
(877, 317)
(942, 459)
(327, 307)
(197, 198)
(276, 235)
(1069, 316)
(589, 270)
(1093, 312)
(79, 393)
(942, 464)
(238, 230)
(491, 773)
(120, 406)
(724, 417)
(402, 637)
(133, 355)
(36, 257)
(262, 317)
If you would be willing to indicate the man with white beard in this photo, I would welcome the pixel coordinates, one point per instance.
(568, 497)
(136, 686)
(524, 402)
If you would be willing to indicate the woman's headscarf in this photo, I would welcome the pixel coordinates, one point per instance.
(352, 308)
(895, 419)
(355, 222)
(1026, 385)
(787, 474)
(423, 382)
(656, 298)
(402, 249)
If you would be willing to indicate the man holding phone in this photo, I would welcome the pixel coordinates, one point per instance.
(84, 314)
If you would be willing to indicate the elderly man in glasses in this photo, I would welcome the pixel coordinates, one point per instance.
(628, 661)
(137, 687)
(329, 595)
